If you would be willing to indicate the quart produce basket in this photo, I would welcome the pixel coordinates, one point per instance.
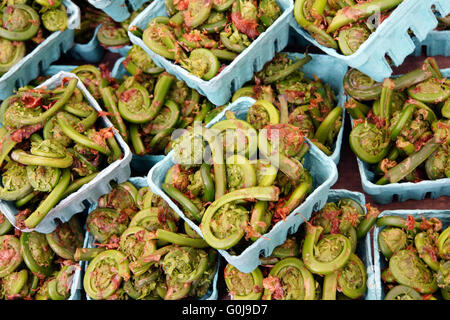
(118, 10)
(437, 43)
(319, 66)
(239, 71)
(78, 201)
(122, 50)
(34, 63)
(402, 191)
(56, 68)
(391, 38)
(91, 52)
(321, 167)
(141, 182)
(364, 248)
(380, 261)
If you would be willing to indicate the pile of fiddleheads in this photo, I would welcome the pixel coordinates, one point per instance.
(149, 105)
(234, 197)
(417, 251)
(401, 126)
(203, 36)
(143, 251)
(35, 266)
(24, 25)
(51, 145)
(343, 25)
(319, 262)
(308, 104)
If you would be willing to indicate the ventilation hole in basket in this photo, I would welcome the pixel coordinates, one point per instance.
(427, 195)
(395, 198)
(128, 4)
(412, 35)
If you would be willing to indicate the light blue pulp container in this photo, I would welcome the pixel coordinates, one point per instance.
(219, 89)
(321, 167)
(391, 38)
(141, 182)
(403, 191)
(319, 66)
(118, 171)
(35, 62)
(118, 10)
(380, 261)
